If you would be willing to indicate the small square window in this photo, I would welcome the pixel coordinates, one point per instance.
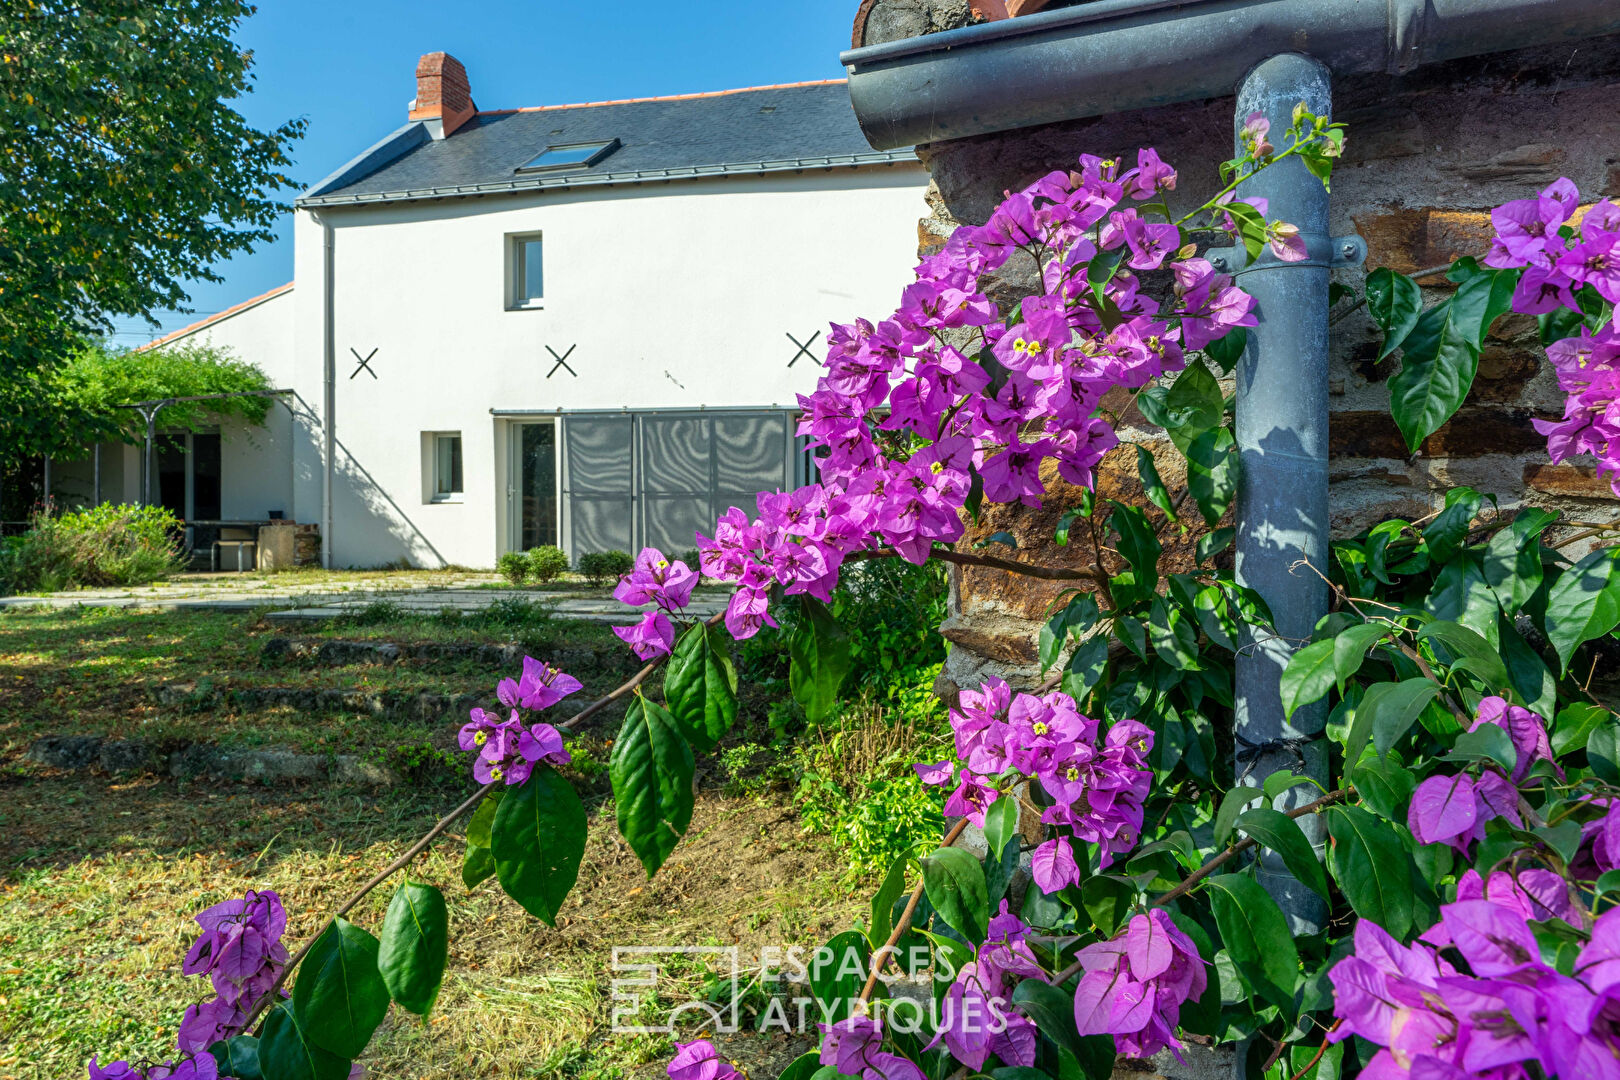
(569, 156)
(528, 271)
(446, 465)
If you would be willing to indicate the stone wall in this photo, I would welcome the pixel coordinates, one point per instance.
(1429, 154)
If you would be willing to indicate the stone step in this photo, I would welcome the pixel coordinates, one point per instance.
(187, 760)
(499, 659)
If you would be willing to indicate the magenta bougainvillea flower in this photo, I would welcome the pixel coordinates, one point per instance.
(653, 636)
(507, 749)
(656, 580)
(699, 1060)
(1134, 985)
(854, 1047)
(1558, 264)
(1503, 1011)
(976, 1015)
(919, 372)
(1097, 790)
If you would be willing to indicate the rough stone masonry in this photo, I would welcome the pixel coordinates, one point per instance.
(1429, 154)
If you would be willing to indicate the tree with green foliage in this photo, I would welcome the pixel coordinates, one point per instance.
(86, 393)
(124, 172)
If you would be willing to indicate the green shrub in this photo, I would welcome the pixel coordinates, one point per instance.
(547, 563)
(602, 567)
(856, 784)
(110, 544)
(513, 566)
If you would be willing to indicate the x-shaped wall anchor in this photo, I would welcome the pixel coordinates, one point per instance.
(365, 363)
(804, 347)
(562, 361)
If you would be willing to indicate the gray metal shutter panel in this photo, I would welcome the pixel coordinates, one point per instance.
(677, 479)
(600, 482)
(751, 455)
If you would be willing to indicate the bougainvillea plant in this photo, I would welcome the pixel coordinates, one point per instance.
(1473, 803)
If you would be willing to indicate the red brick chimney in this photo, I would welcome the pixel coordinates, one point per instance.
(442, 93)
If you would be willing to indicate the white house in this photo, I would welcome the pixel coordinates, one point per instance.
(572, 324)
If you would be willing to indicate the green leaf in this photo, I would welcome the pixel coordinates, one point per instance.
(1000, 823)
(479, 864)
(286, 1052)
(819, 651)
(1485, 743)
(1228, 350)
(1444, 536)
(1086, 667)
(1212, 472)
(1394, 301)
(1512, 568)
(477, 867)
(1385, 786)
(894, 883)
(1372, 868)
(1076, 617)
(1214, 615)
(1212, 542)
(954, 883)
(1232, 804)
(652, 771)
(340, 996)
(1350, 649)
(1152, 484)
(1463, 642)
(1172, 635)
(1137, 542)
(1574, 724)
(1061, 534)
(414, 946)
(1107, 898)
(1461, 595)
(1309, 675)
(537, 841)
(1584, 603)
(238, 1058)
(1603, 752)
(1256, 937)
(837, 972)
(1438, 361)
(1386, 712)
(1534, 683)
(1282, 834)
(804, 1067)
(1052, 1010)
(700, 686)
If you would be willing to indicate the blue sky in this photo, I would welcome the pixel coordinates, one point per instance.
(347, 66)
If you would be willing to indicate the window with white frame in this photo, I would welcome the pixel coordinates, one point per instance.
(527, 271)
(446, 458)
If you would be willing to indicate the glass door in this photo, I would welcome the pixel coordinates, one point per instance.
(534, 498)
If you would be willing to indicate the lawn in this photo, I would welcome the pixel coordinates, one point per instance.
(99, 671)
(99, 875)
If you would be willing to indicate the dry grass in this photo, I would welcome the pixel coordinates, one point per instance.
(98, 880)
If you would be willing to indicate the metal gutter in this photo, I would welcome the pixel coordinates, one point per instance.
(639, 176)
(1118, 55)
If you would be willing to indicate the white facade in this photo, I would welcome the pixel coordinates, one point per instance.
(671, 295)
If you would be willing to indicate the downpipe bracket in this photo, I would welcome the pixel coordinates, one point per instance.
(1335, 253)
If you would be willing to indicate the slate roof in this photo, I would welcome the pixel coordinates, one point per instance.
(750, 131)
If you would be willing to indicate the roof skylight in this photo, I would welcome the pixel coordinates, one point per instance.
(569, 156)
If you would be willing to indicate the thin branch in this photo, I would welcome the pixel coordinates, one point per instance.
(348, 905)
(882, 955)
(1216, 863)
(1311, 1064)
(1584, 534)
(444, 823)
